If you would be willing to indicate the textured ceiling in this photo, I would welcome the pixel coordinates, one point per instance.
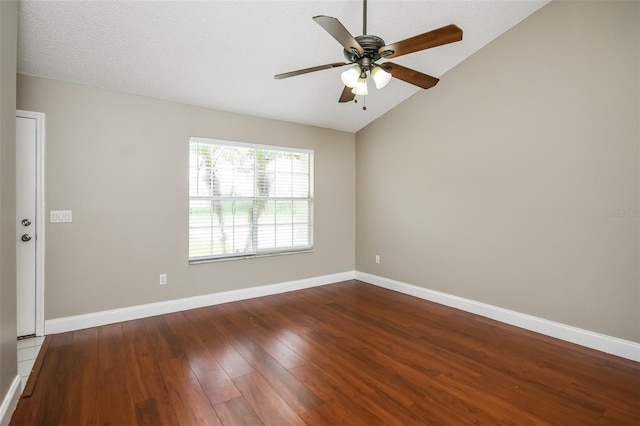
(224, 54)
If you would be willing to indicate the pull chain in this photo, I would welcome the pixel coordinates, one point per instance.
(364, 100)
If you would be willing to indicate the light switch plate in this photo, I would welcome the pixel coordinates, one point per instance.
(60, 216)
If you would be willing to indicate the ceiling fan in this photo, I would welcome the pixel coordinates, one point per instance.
(365, 50)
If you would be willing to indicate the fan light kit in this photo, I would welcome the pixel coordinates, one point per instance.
(356, 79)
(363, 51)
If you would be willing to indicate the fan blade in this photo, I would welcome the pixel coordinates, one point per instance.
(444, 35)
(410, 76)
(339, 32)
(347, 95)
(312, 69)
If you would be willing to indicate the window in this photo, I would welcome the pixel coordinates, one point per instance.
(248, 200)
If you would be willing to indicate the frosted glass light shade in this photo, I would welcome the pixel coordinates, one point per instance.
(380, 77)
(350, 76)
(361, 87)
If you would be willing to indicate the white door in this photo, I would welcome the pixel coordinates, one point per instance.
(26, 180)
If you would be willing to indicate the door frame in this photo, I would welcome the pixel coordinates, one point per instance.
(41, 217)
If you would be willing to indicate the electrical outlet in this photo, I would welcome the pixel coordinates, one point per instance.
(377, 258)
(163, 279)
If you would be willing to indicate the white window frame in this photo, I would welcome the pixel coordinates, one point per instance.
(255, 252)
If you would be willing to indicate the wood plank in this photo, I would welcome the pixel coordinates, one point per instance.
(265, 332)
(35, 371)
(186, 395)
(207, 322)
(81, 389)
(214, 381)
(146, 378)
(265, 401)
(114, 402)
(237, 412)
(147, 413)
(342, 403)
(296, 395)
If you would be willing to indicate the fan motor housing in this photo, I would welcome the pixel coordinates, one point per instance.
(370, 44)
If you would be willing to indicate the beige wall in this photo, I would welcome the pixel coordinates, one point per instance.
(119, 162)
(8, 37)
(492, 186)
(495, 185)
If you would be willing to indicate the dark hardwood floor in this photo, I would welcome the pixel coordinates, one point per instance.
(342, 354)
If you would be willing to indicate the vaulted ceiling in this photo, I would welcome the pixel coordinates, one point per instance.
(224, 54)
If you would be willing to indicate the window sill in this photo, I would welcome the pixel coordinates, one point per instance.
(250, 256)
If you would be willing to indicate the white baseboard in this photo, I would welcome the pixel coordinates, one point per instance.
(10, 402)
(78, 322)
(612, 345)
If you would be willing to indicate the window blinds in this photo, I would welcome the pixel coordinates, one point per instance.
(248, 200)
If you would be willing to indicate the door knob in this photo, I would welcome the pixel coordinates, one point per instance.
(26, 237)
(26, 222)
